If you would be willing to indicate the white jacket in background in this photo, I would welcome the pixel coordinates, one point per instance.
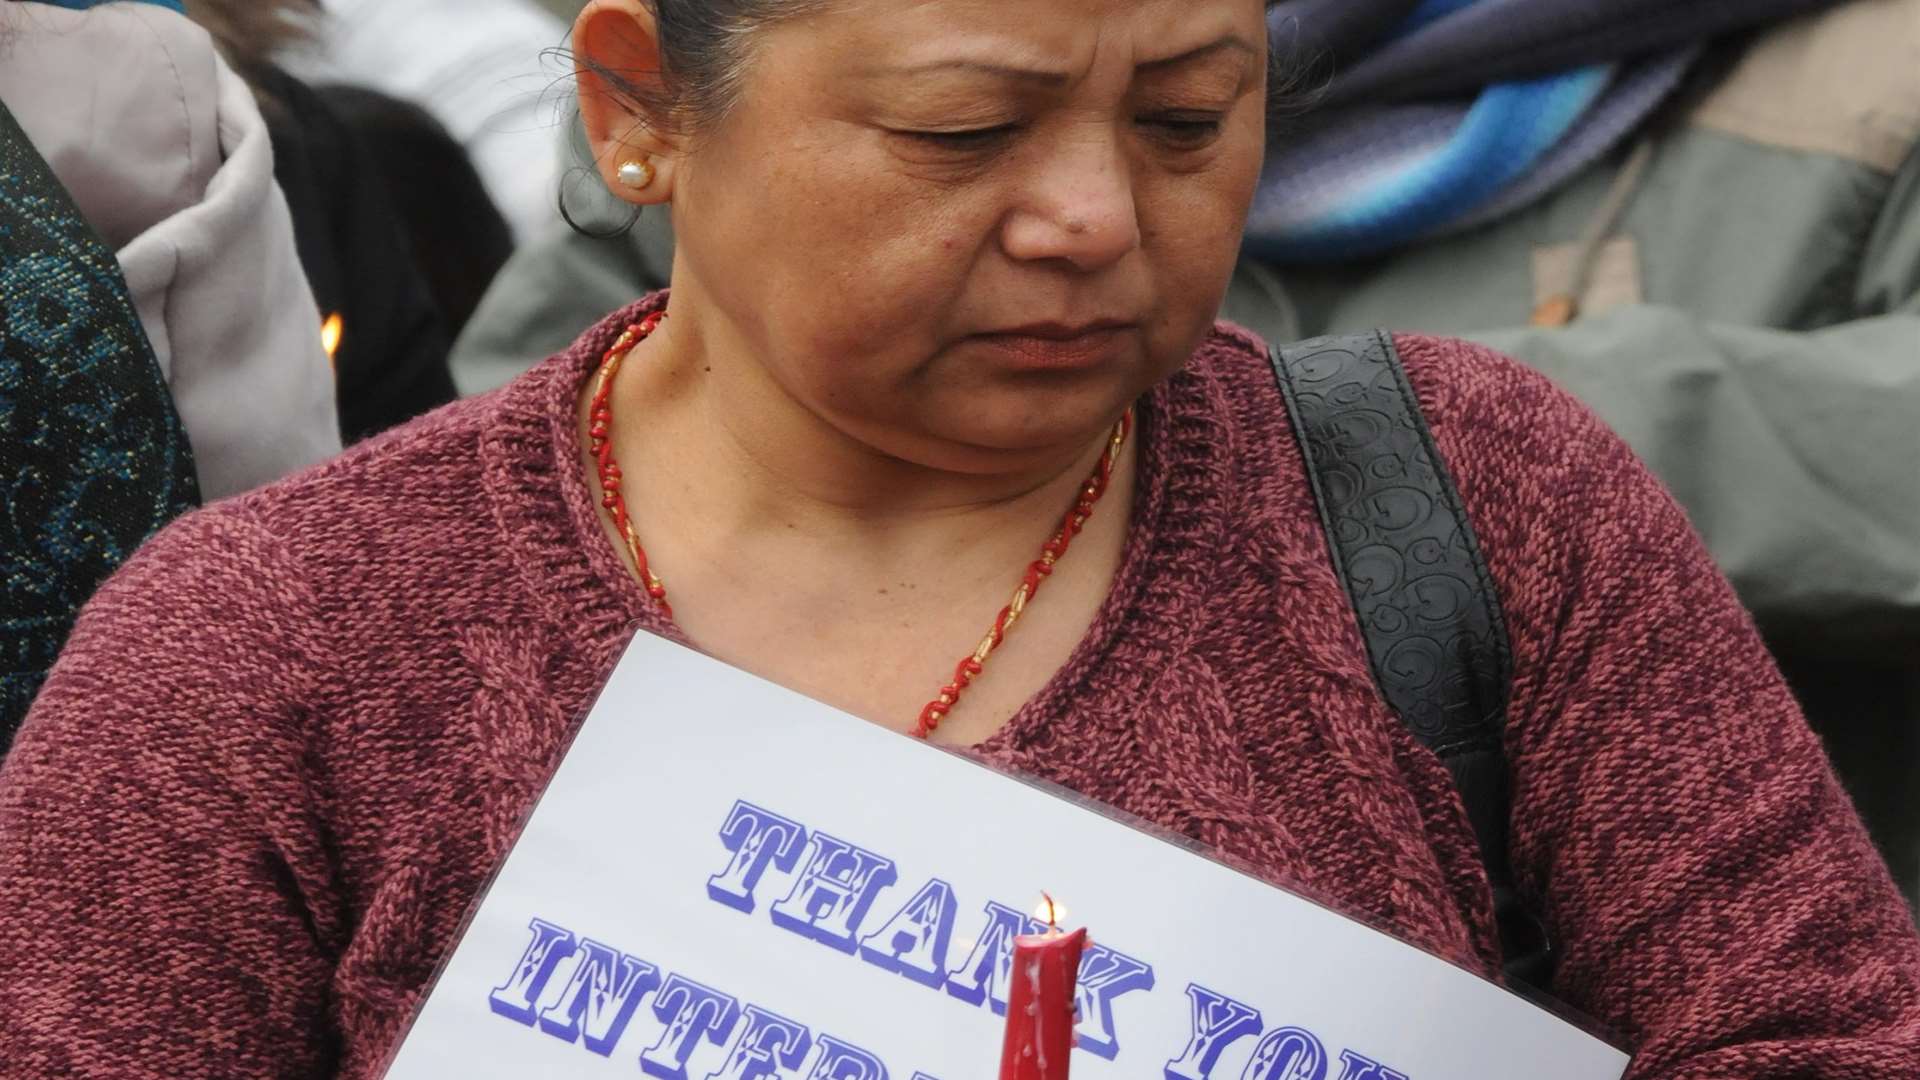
(167, 157)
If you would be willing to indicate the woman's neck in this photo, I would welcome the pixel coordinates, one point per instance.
(792, 551)
(715, 440)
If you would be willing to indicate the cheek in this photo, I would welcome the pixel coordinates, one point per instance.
(840, 226)
(847, 270)
(1191, 226)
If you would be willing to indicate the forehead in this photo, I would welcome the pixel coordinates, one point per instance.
(1067, 36)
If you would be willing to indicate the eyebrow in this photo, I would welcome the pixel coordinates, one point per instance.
(1230, 42)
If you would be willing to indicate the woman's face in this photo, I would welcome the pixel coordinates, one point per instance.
(969, 232)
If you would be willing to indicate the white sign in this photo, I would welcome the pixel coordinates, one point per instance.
(726, 880)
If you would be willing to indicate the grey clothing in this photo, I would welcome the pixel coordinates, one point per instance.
(1771, 376)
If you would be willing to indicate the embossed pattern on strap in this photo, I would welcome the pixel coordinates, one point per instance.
(1400, 540)
(1402, 546)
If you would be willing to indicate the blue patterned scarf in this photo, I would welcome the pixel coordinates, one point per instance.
(1446, 114)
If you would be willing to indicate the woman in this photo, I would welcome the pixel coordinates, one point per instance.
(932, 258)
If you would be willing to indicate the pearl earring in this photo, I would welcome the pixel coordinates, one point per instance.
(635, 175)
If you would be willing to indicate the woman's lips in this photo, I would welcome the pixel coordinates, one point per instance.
(1058, 349)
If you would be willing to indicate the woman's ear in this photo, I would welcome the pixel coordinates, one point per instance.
(616, 49)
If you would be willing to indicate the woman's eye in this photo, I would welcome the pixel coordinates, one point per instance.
(964, 139)
(1185, 131)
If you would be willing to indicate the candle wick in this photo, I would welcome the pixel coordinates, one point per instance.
(1052, 922)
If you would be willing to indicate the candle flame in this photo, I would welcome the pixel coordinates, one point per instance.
(1051, 910)
(330, 334)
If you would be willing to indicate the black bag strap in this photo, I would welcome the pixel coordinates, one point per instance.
(1428, 611)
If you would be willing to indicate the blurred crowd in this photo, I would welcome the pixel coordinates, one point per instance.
(1704, 222)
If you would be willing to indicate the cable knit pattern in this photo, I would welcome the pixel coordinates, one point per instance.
(291, 739)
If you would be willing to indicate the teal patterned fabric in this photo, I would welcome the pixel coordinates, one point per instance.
(93, 459)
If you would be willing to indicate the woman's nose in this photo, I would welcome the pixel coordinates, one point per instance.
(1080, 210)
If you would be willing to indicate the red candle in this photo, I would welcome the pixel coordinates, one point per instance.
(1040, 1005)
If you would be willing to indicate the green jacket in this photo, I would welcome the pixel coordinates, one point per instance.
(1749, 321)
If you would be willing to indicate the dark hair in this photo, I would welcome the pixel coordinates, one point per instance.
(705, 49)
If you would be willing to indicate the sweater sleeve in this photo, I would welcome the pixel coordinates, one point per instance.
(1713, 896)
(162, 874)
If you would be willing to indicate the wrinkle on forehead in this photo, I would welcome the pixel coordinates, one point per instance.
(1059, 41)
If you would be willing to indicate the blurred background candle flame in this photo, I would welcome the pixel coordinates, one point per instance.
(330, 333)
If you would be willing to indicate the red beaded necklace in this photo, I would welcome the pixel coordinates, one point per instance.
(600, 440)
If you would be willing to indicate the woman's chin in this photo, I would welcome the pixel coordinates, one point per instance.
(980, 441)
(980, 421)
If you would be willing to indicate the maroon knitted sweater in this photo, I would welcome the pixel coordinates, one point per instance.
(289, 741)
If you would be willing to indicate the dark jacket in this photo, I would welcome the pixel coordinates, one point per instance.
(391, 361)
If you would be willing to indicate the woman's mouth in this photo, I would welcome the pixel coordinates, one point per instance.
(1060, 346)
